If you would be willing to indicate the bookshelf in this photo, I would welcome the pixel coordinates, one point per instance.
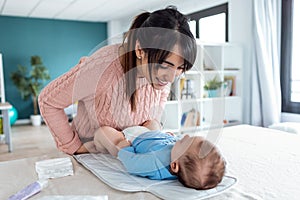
(190, 107)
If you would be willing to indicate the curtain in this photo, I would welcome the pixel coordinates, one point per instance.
(266, 92)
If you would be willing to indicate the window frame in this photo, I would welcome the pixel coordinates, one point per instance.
(286, 58)
(223, 8)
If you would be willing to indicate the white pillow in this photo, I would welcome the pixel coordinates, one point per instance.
(291, 127)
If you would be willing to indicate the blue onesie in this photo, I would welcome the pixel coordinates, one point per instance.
(150, 155)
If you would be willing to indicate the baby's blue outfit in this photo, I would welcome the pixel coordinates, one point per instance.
(150, 155)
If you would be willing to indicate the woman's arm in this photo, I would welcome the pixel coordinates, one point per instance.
(56, 96)
(53, 99)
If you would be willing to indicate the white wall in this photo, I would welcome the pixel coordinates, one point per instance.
(117, 27)
(240, 31)
(115, 30)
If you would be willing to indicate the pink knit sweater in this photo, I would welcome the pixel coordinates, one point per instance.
(97, 83)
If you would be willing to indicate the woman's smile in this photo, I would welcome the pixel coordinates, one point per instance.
(161, 83)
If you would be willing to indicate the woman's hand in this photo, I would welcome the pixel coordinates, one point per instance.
(81, 150)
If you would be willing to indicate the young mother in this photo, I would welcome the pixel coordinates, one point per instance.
(120, 85)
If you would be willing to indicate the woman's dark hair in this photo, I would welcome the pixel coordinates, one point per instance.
(157, 32)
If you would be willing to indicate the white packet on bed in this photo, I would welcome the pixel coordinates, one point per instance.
(54, 168)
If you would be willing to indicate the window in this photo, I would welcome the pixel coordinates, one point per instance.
(210, 25)
(290, 62)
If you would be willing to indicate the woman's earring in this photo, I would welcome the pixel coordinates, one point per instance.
(139, 57)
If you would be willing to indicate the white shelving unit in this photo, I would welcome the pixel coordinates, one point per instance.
(4, 111)
(223, 61)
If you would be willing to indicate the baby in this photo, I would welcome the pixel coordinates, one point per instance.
(156, 155)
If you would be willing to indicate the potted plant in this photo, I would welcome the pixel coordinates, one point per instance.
(31, 83)
(212, 87)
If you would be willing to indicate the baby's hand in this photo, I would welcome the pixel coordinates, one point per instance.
(170, 133)
(152, 124)
(123, 144)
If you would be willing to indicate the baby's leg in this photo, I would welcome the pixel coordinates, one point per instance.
(98, 144)
(106, 140)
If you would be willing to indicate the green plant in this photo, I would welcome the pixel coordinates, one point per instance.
(213, 84)
(31, 83)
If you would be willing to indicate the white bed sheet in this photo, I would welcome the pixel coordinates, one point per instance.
(266, 163)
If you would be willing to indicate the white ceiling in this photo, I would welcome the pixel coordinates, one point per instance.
(82, 10)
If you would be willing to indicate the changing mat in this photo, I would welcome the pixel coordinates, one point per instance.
(111, 171)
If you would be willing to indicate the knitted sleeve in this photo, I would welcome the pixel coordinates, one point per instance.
(77, 85)
(56, 96)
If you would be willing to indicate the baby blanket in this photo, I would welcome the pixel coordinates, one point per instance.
(111, 171)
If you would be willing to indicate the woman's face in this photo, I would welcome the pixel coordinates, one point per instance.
(165, 72)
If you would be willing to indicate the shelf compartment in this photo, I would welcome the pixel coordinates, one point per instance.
(168, 118)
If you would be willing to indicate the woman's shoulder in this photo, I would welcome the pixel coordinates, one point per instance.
(104, 59)
(106, 51)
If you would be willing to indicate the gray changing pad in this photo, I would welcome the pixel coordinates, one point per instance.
(111, 171)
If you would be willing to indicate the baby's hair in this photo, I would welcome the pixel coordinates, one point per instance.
(201, 172)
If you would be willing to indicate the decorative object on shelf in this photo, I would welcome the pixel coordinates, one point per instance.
(188, 89)
(212, 87)
(181, 84)
(31, 83)
(212, 93)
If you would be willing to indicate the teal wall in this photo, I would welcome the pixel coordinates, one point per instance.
(60, 44)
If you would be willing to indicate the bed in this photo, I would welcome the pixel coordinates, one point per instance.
(266, 163)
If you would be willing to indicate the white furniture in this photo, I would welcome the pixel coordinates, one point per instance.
(4, 108)
(222, 61)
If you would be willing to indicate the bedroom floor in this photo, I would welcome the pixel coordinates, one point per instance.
(28, 141)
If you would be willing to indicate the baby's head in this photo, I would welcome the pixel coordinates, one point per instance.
(197, 163)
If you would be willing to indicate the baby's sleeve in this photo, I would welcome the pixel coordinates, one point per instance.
(144, 165)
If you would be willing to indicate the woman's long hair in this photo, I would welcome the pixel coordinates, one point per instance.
(157, 33)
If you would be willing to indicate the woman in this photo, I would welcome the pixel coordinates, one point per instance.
(120, 85)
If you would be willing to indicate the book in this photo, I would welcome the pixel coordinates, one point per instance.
(190, 118)
(231, 83)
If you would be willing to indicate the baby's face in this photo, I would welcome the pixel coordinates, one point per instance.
(186, 145)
